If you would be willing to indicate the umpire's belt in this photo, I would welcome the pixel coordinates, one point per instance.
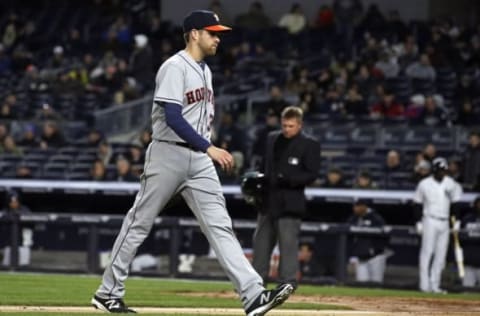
(438, 218)
(181, 144)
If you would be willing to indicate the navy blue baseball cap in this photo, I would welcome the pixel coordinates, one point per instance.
(203, 20)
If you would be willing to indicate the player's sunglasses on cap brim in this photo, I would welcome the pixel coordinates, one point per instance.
(217, 28)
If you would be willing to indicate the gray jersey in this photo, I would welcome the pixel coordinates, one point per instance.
(182, 80)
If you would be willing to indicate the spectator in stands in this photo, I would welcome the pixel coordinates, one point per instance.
(23, 171)
(396, 28)
(471, 162)
(98, 171)
(123, 172)
(299, 80)
(67, 82)
(421, 168)
(216, 6)
(415, 108)
(468, 115)
(335, 100)
(74, 44)
(406, 51)
(308, 102)
(109, 82)
(294, 21)
(10, 147)
(365, 82)
(277, 102)
(58, 59)
(364, 180)
(334, 179)
(136, 156)
(421, 69)
(272, 123)
(253, 20)
(466, 88)
(431, 115)
(387, 65)
(347, 16)
(145, 138)
(373, 22)
(324, 80)
(389, 107)
(29, 138)
(47, 113)
(370, 52)
(4, 132)
(429, 152)
(325, 19)
(393, 166)
(355, 103)
(94, 138)
(6, 112)
(367, 252)
(5, 61)
(51, 136)
(105, 152)
(141, 62)
(471, 223)
(454, 170)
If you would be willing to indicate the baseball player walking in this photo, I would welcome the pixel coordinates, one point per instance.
(438, 194)
(180, 160)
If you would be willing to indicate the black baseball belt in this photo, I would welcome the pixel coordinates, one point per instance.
(181, 144)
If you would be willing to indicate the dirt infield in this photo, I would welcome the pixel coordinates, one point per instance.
(382, 305)
(190, 311)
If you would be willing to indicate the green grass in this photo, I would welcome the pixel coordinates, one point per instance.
(73, 290)
(372, 292)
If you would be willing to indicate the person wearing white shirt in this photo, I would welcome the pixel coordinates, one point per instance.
(437, 194)
(294, 21)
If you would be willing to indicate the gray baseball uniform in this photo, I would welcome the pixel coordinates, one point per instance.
(170, 169)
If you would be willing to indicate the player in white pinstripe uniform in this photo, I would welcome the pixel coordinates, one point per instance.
(437, 194)
(180, 161)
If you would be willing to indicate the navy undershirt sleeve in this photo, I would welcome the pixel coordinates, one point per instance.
(176, 121)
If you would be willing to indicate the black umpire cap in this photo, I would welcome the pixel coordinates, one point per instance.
(203, 20)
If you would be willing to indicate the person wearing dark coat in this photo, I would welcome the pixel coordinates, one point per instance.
(292, 162)
(471, 256)
(13, 209)
(471, 162)
(367, 252)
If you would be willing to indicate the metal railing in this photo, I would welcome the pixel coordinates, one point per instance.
(124, 118)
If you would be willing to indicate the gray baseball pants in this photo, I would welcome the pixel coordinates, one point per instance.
(268, 232)
(171, 169)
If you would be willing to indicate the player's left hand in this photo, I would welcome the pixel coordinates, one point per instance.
(222, 157)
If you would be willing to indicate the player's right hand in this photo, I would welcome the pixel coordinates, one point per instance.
(222, 157)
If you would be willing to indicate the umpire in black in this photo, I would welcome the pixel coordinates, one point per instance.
(292, 161)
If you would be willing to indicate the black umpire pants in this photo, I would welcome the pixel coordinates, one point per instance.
(270, 230)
